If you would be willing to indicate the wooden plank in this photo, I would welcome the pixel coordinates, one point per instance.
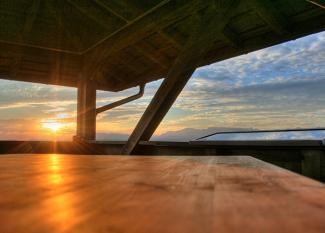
(203, 36)
(66, 193)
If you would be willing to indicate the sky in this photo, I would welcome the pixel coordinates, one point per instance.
(278, 87)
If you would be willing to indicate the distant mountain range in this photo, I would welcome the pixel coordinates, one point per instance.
(186, 134)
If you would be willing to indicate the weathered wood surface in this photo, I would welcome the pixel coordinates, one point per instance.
(65, 193)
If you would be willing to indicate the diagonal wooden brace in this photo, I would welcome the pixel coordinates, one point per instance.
(208, 28)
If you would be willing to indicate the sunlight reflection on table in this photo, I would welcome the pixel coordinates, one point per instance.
(62, 205)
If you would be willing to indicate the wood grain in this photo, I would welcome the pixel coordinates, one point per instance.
(69, 193)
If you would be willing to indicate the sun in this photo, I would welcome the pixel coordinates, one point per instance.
(53, 126)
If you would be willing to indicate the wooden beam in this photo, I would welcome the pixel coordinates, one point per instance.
(201, 40)
(112, 11)
(85, 8)
(29, 21)
(271, 15)
(39, 65)
(174, 40)
(38, 77)
(152, 21)
(125, 10)
(319, 4)
(151, 57)
(116, 10)
(155, 21)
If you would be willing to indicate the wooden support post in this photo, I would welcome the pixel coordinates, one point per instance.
(86, 111)
(80, 110)
(202, 38)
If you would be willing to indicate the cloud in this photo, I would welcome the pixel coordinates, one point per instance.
(303, 57)
(281, 86)
(13, 91)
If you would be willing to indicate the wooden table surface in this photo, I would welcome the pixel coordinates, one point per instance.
(80, 193)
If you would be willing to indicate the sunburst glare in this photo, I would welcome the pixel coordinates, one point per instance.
(52, 125)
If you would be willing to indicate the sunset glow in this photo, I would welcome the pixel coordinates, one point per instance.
(53, 126)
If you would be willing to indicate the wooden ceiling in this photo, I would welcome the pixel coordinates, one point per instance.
(123, 43)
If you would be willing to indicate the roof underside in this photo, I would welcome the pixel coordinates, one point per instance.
(123, 43)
